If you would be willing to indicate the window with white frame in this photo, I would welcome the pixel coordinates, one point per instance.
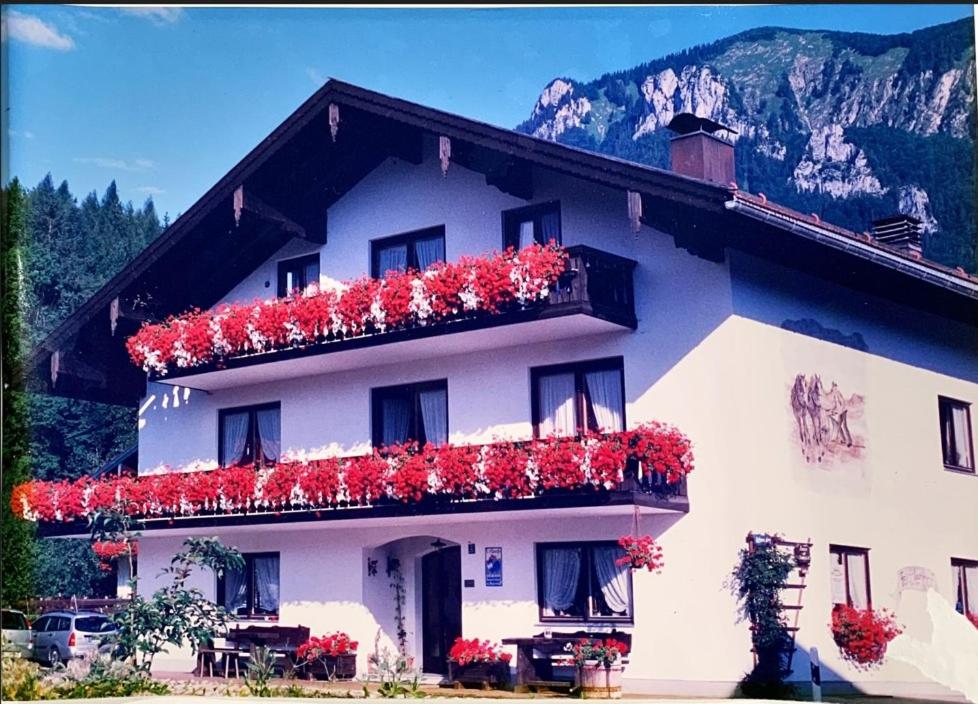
(956, 442)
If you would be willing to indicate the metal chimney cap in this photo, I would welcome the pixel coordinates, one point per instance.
(688, 123)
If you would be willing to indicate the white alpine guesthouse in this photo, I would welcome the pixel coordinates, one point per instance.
(376, 272)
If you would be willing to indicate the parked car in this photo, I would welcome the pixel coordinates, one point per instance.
(16, 632)
(58, 636)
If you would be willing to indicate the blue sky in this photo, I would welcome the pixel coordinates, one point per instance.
(166, 100)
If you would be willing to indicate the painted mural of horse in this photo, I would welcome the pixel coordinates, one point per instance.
(821, 416)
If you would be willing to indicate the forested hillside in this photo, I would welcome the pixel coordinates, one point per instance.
(850, 126)
(57, 252)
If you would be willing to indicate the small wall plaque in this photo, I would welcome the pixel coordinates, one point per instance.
(469, 583)
(494, 567)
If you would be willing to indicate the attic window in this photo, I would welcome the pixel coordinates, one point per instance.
(297, 275)
(534, 223)
(412, 250)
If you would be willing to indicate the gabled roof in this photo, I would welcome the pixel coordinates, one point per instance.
(283, 187)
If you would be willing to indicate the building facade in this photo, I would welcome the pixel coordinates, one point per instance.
(825, 380)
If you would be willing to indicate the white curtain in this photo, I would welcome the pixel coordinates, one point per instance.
(266, 583)
(561, 571)
(557, 405)
(235, 592)
(604, 389)
(392, 259)
(396, 416)
(434, 415)
(961, 452)
(429, 251)
(270, 433)
(550, 227)
(234, 436)
(838, 577)
(857, 581)
(612, 578)
(971, 582)
(526, 234)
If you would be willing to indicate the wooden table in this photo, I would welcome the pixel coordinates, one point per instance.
(538, 672)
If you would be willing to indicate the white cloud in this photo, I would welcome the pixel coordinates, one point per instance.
(33, 30)
(315, 76)
(119, 164)
(149, 190)
(156, 15)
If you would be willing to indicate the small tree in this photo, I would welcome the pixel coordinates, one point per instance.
(174, 614)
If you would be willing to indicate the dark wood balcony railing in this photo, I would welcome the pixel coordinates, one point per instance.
(596, 283)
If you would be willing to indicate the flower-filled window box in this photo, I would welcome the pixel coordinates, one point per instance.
(863, 634)
(478, 662)
(331, 657)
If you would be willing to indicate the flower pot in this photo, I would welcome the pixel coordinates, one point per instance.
(483, 674)
(599, 682)
(339, 667)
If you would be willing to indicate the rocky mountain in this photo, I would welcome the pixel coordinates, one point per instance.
(850, 126)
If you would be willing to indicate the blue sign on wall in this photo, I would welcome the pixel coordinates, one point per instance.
(494, 567)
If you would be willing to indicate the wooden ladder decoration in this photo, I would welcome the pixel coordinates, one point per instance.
(802, 554)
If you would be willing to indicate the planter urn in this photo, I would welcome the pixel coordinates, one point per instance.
(597, 681)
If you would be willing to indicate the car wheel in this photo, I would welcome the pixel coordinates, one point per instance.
(54, 657)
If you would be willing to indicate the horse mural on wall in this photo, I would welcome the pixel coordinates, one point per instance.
(824, 418)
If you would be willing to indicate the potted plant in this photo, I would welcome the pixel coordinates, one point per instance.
(479, 662)
(599, 667)
(641, 552)
(333, 656)
(862, 634)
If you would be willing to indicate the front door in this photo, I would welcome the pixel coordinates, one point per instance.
(441, 606)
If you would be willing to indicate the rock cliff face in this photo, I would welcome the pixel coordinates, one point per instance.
(851, 126)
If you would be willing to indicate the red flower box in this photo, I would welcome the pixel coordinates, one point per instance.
(404, 474)
(444, 291)
(862, 634)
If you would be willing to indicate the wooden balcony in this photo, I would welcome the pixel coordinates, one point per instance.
(595, 295)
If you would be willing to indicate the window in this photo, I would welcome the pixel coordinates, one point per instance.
(569, 399)
(250, 435)
(956, 434)
(413, 250)
(965, 586)
(850, 576)
(583, 582)
(297, 275)
(411, 412)
(534, 223)
(13, 621)
(254, 590)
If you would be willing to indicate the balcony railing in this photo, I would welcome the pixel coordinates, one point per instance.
(596, 283)
(592, 291)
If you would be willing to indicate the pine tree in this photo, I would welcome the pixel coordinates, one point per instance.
(16, 537)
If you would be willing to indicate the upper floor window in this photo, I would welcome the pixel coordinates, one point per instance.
(965, 586)
(583, 582)
(850, 576)
(253, 590)
(956, 434)
(570, 399)
(533, 223)
(250, 435)
(412, 250)
(297, 275)
(416, 412)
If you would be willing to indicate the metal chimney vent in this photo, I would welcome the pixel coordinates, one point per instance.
(900, 231)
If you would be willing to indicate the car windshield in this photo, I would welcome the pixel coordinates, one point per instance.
(93, 624)
(13, 621)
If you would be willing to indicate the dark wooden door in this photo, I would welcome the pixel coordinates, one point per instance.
(441, 606)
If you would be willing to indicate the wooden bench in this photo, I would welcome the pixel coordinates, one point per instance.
(283, 641)
(538, 672)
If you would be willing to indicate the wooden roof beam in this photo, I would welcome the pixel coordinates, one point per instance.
(245, 201)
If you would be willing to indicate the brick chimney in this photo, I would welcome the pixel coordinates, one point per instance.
(696, 150)
(900, 231)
